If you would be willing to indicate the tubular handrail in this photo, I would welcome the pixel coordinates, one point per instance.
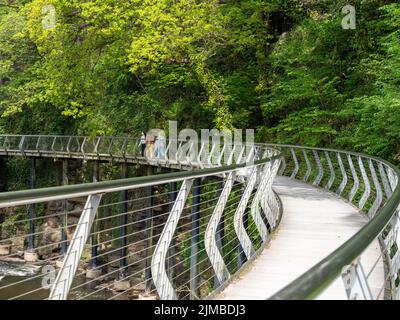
(319, 277)
(314, 281)
(14, 198)
(307, 286)
(330, 150)
(260, 165)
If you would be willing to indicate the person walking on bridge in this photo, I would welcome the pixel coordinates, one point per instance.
(142, 143)
(150, 147)
(159, 149)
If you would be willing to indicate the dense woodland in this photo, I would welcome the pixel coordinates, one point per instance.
(284, 67)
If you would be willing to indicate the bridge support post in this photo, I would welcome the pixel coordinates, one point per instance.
(241, 254)
(3, 187)
(1, 225)
(221, 225)
(62, 284)
(220, 234)
(149, 230)
(64, 214)
(195, 238)
(356, 282)
(173, 187)
(93, 272)
(30, 255)
(123, 283)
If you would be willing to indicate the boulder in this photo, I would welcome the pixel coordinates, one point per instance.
(54, 206)
(18, 241)
(5, 249)
(53, 222)
(135, 259)
(50, 241)
(72, 221)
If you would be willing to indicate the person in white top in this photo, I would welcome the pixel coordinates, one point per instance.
(161, 147)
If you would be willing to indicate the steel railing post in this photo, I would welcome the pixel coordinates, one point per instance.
(3, 187)
(220, 229)
(163, 284)
(241, 210)
(21, 146)
(296, 164)
(221, 224)
(173, 188)
(210, 236)
(309, 169)
(356, 282)
(123, 226)
(331, 171)
(344, 175)
(31, 209)
(320, 175)
(64, 209)
(149, 230)
(241, 254)
(93, 261)
(356, 181)
(195, 237)
(367, 185)
(65, 276)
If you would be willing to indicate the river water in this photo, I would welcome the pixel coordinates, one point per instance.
(15, 280)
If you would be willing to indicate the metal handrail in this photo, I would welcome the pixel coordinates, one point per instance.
(263, 170)
(314, 281)
(16, 198)
(307, 286)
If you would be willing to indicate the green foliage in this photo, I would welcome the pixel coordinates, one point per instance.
(285, 67)
(334, 87)
(373, 117)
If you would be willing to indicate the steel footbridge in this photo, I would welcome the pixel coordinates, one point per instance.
(269, 222)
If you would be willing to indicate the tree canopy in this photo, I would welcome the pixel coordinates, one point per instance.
(284, 67)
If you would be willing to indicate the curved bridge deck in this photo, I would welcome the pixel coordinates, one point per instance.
(314, 224)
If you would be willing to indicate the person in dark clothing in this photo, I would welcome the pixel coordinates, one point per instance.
(142, 143)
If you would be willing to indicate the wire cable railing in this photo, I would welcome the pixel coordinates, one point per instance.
(372, 186)
(164, 236)
(198, 230)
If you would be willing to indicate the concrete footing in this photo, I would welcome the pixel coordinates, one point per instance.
(122, 285)
(93, 273)
(59, 264)
(5, 249)
(30, 256)
(147, 297)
